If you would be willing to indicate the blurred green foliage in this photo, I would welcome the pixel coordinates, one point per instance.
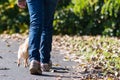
(12, 18)
(81, 17)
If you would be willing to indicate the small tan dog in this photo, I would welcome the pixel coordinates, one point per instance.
(23, 53)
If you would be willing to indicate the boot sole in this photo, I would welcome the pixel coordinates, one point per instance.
(35, 71)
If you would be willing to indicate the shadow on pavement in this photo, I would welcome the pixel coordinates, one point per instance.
(61, 70)
(61, 76)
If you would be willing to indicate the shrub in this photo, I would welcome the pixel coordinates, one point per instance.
(82, 17)
(12, 18)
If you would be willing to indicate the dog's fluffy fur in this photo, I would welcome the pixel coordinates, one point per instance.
(23, 53)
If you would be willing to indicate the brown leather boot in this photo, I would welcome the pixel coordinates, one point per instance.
(35, 68)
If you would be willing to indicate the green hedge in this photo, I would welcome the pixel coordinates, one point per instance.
(82, 17)
(89, 17)
(12, 18)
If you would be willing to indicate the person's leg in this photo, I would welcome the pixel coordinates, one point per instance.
(36, 11)
(46, 37)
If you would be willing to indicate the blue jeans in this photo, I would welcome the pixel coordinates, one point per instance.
(41, 25)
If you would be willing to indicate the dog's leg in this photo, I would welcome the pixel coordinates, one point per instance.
(25, 63)
(18, 62)
(19, 56)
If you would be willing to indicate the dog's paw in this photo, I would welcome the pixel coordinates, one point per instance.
(18, 64)
(26, 65)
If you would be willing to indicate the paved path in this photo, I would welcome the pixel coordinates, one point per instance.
(9, 71)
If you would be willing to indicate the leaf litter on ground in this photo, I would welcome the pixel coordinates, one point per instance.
(98, 56)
